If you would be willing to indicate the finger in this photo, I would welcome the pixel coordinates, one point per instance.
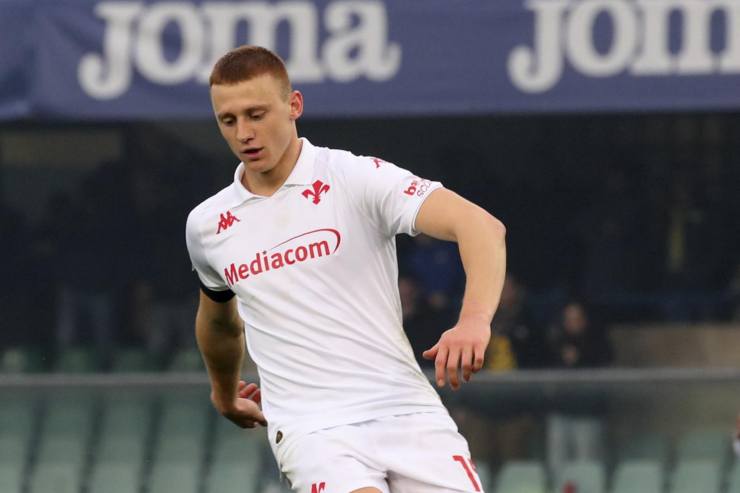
(479, 355)
(453, 361)
(248, 390)
(431, 353)
(261, 419)
(257, 396)
(439, 366)
(466, 362)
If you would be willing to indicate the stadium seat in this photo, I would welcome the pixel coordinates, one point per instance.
(187, 360)
(236, 445)
(521, 477)
(76, 360)
(126, 416)
(645, 446)
(587, 476)
(114, 478)
(121, 449)
(132, 360)
(694, 476)
(179, 449)
(185, 413)
(704, 444)
(641, 476)
(56, 478)
(733, 479)
(71, 415)
(174, 478)
(14, 450)
(21, 360)
(17, 417)
(11, 477)
(231, 477)
(70, 450)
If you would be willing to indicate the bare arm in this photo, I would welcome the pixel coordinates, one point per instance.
(481, 240)
(220, 336)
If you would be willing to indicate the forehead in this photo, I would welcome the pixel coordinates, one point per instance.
(260, 90)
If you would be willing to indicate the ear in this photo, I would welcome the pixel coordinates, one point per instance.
(296, 104)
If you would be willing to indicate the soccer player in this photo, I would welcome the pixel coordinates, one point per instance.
(298, 256)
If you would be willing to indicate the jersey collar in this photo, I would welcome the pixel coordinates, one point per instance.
(301, 174)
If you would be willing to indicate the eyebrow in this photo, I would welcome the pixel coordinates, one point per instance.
(251, 109)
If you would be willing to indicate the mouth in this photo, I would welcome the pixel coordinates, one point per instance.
(252, 152)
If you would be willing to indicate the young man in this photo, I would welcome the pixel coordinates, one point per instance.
(299, 254)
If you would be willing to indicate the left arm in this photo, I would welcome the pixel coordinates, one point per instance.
(480, 237)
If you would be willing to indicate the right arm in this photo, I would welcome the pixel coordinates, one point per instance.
(220, 335)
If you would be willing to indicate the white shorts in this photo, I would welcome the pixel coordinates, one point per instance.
(410, 453)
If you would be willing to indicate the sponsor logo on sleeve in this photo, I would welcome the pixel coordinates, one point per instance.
(418, 187)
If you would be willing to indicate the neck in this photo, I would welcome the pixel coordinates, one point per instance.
(269, 182)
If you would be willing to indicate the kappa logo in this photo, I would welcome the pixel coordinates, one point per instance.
(319, 187)
(226, 221)
(318, 487)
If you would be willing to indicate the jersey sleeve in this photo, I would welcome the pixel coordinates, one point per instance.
(389, 195)
(207, 274)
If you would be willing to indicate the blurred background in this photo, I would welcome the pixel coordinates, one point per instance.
(605, 135)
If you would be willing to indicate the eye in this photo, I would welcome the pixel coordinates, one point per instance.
(259, 115)
(227, 121)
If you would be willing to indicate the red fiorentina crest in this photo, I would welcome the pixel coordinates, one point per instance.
(226, 221)
(319, 187)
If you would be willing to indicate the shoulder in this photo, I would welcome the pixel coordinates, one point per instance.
(210, 209)
(344, 164)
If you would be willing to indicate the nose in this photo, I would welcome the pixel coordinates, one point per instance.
(244, 131)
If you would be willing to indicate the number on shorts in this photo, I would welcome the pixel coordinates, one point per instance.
(469, 468)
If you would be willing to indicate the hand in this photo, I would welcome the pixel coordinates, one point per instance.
(463, 346)
(244, 411)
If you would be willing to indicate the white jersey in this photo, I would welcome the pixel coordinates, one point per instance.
(315, 274)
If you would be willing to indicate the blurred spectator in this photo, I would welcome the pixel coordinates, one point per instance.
(516, 341)
(575, 429)
(423, 324)
(436, 264)
(14, 271)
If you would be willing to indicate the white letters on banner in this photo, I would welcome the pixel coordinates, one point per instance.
(357, 44)
(564, 30)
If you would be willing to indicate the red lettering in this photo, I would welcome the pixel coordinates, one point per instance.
(230, 275)
(287, 259)
(318, 487)
(468, 470)
(244, 271)
(315, 249)
(255, 266)
(277, 260)
(301, 253)
(411, 190)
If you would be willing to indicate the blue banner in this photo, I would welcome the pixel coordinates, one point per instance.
(120, 59)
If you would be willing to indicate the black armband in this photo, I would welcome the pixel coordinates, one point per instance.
(217, 296)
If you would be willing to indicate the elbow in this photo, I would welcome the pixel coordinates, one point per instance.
(496, 226)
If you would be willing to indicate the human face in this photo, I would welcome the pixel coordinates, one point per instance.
(257, 121)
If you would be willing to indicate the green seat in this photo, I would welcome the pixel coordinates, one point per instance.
(179, 449)
(638, 476)
(645, 446)
(587, 476)
(695, 476)
(521, 477)
(55, 478)
(133, 360)
(11, 477)
(704, 444)
(77, 360)
(128, 450)
(187, 360)
(69, 416)
(185, 414)
(17, 417)
(123, 417)
(239, 446)
(68, 450)
(733, 479)
(231, 477)
(114, 478)
(21, 360)
(14, 450)
(174, 478)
